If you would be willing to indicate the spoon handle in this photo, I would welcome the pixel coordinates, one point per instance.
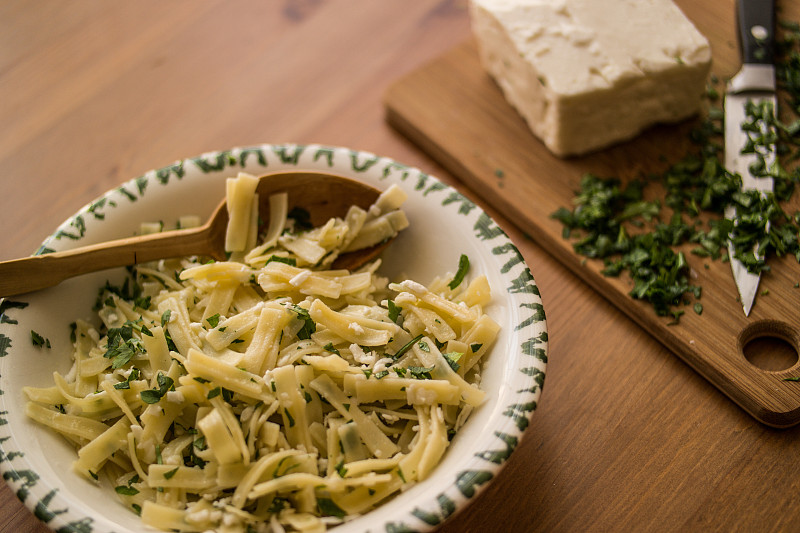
(19, 276)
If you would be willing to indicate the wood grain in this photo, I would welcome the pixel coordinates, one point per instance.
(626, 438)
(454, 111)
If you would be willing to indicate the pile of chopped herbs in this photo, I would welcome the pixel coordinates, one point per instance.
(631, 233)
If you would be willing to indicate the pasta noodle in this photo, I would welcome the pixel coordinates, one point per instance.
(270, 392)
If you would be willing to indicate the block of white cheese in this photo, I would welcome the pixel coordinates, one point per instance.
(586, 74)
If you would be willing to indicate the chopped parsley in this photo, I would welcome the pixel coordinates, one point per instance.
(226, 394)
(452, 359)
(309, 326)
(289, 418)
(394, 311)
(165, 384)
(420, 372)
(331, 348)
(463, 268)
(123, 345)
(647, 234)
(142, 303)
(213, 320)
(130, 291)
(406, 347)
(327, 507)
(278, 259)
(278, 473)
(278, 504)
(340, 469)
(125, 385)
(165, 317)
(126, 490)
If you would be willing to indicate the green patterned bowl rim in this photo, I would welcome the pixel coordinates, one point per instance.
(513, 379)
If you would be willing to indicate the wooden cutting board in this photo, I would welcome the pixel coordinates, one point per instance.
(453, 110)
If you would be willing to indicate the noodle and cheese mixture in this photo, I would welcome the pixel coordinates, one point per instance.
(270, 392)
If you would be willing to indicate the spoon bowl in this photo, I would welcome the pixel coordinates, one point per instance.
(322, 195)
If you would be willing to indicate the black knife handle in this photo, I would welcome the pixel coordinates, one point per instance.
(756, 28)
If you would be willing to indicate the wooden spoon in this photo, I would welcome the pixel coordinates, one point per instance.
(323, 195)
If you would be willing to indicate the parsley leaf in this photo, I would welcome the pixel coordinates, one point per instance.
(394, 311)
(278, 259)
(327, 507)
(227, 395)
(123, 345)
(165, 317)
(406, 347)
(125, 385)
(340, 469)
(463, 268)
(420, 372)
(309, 325)
(126, 490)
(213, 320)
(331, 348)
(165, 384)
(452, 359)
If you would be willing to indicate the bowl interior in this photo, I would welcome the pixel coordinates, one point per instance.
(444, 225)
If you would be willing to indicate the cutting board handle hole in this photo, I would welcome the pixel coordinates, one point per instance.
(770, 345)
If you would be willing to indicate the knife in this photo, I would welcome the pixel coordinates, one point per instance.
(755, 82)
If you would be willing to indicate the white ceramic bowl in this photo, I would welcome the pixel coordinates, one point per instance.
(444, 224)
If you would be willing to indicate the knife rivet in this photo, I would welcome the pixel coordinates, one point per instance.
(759, 32)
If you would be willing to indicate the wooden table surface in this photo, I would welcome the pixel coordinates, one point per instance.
(93, 93)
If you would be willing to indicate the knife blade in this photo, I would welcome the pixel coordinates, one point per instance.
(754, 82)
